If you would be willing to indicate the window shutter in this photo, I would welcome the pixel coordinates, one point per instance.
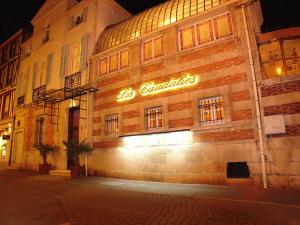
(64, 61)
(84, 14)
(34, 74)
(49, 67)
(19, 84)
(70, 22)
(84, 51)
(25, 90)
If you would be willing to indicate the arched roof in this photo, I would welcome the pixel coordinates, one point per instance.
(152, 19)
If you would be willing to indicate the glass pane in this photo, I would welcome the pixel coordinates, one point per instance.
(148, 50)
(157, 47)
(270, 52)
(187, 37)
(204, 32)
(103, 66)
(222, 26)
(113, 62)
(124, 58)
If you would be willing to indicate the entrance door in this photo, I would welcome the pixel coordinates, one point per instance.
(73, 128)
(17, 150)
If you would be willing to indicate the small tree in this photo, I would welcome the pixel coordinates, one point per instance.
(45, 150)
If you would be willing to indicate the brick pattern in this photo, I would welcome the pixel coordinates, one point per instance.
(181, 123)
(217, 82)
(113, 79)
(153, 67)
(280, 88)
(107, 144)
(179, 106)
(131, 128)
(131, 114)
(291, 130)
(97, 132)
(245, 114)
(225, 136)
(208, 51)
(285, 109)
(96, 120)
(240, 96)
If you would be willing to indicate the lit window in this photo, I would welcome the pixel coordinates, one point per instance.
(187, 37)
(223, 26)
(124, 59)
(154, 118)
(152, 49)
(103, 66)
(75, 58)
(111, 124)
(211, 110)
(39, 131)
(113, 62)
(205, 32)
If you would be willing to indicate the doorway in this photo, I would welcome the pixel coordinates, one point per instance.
(73, 129)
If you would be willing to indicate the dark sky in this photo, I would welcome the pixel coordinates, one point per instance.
(18, 13)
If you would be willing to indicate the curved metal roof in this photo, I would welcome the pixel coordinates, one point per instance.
(152, 19)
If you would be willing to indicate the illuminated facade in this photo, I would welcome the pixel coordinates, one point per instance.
(10, 54)
(175, 95)
(54, 91)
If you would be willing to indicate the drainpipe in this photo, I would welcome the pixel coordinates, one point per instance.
(11, 140)
(257, 108)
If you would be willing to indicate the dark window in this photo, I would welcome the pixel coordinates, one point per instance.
(237, 170)
(154, 118)
(39, 131)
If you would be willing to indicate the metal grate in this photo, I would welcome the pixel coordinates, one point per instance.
(111, 124)
(211, 110)
(154, 118)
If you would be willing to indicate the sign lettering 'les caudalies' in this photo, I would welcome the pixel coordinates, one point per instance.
(152, 88)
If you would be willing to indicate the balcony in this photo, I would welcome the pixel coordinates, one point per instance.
(37, 92)
(21, 101)
(73, 80)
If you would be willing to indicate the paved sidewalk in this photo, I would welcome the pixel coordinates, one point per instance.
(32, 199)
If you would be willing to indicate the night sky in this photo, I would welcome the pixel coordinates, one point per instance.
(17, 13)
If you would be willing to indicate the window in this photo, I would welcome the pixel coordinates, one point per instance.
(42, 71)
(46, 37)
(223, 26)
(152, 49)
(206, 31)
(111, 124)
(75, 58)
(78, 18)
(115, 62)
(6, 106)
(187, 37)
(154, 118)
(211, 110)
(238, 170)
(39, 131)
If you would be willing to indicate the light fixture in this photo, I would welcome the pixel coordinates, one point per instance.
(278, 71)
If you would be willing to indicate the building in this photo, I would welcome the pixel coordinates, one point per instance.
(280, 86)
(186, 91)
(10, 54)
(175, 99)
(53, 95)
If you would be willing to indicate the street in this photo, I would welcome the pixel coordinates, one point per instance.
(29, 199)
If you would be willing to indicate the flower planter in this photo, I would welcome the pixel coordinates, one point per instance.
(44, 168)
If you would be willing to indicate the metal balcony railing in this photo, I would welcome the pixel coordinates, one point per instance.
(73, 80)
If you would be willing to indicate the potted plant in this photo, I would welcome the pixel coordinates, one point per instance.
(45, 150)
(73, 151)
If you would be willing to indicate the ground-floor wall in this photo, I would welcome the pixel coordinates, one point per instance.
(183, 162)
(6, 153)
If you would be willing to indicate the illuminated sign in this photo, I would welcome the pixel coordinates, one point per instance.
(126, 95)
(152, 88)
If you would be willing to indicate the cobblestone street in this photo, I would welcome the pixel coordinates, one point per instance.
(41, 200)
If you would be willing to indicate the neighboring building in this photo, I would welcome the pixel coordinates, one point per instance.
(52, 100)
(10, 54)
(280, 90)
(175, 99)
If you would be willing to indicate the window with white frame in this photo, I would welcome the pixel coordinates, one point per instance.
(154, 118)
(111, 124)
(152, 49)
(114, 62)
(202, 33)
(211, 110)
